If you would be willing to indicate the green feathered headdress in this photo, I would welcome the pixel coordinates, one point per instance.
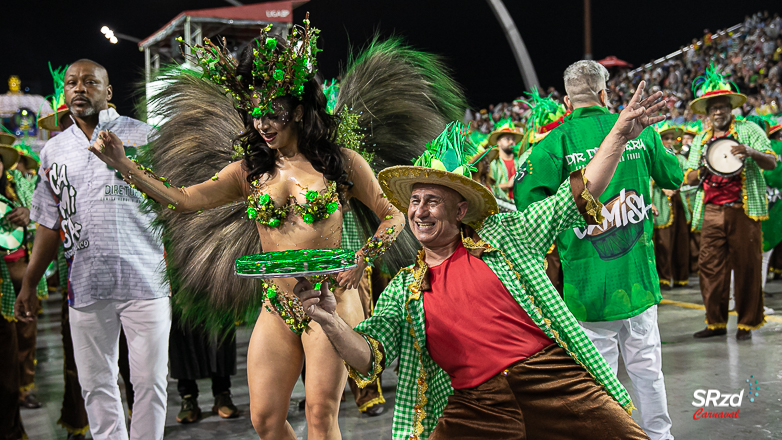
(505, 126)
(449, 151)
(545, 115)
(693, 127)
(712, 84)
(57, 99)
(331, 91)
(666, 126)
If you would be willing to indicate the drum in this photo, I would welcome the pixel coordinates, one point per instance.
(11, 236)
(295, 263)
(719, 160)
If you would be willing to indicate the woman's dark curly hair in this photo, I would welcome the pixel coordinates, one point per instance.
(316, 132)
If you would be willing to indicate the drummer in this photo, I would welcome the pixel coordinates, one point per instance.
(728, 210)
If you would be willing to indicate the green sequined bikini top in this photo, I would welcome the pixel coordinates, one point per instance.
(319, 205)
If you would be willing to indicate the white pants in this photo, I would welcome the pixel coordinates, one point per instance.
(766, 260)
(95, 330)
(638, 339)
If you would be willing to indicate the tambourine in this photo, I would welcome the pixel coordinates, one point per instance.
(295, 263)
(11, 236)
(719, 160)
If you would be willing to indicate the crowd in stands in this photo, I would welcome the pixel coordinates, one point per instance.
(750, 53)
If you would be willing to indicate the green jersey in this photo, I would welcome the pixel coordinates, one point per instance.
(609, 269)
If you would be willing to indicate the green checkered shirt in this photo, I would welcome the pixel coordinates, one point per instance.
(351, 236)
(753, 184)
(663, 202)
(517, 245)
(24, 191)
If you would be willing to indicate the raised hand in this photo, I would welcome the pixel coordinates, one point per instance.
(320, 305)
(109, 149)
(639, 113)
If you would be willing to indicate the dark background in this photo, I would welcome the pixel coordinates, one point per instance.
(465, 32)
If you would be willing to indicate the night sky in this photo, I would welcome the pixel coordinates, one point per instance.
(465, 32)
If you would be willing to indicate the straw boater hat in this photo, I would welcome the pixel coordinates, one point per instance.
(445, 162)
(711, 85)
(7, 138)
(505, 126)
(666, 127)
(9, 155)
(545, 115)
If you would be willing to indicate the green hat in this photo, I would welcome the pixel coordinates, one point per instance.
(477, 138)
(693, 127)
(711, 85)
(32, 161)
(545, 115)
(9, 156)
(51, 122)
(505, 126)
(775, 125)
(666, 127)
(445, 162)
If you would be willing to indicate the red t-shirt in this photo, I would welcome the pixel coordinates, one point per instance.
(510, 165)
(726, 191)
(474, 327)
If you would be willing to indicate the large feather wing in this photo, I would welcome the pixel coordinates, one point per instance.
(405, 98)
(193, 142)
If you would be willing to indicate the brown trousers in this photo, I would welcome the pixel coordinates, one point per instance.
(731, 240)
(554, 270)
(10, 419)
(672, 249)
(775, 265)
(695, 250)
(27, 335)
(73, 415)
(546, 396)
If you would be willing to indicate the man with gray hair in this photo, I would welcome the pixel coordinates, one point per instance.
(610, 279)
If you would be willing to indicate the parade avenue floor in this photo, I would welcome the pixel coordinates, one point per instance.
(720, 364)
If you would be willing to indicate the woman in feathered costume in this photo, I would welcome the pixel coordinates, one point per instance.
(295, 179)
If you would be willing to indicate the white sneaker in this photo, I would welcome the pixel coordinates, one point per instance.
(768, 310)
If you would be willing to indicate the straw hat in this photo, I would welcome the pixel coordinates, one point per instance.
(445, 162)
(7, 138)
(9, 155)
(712, 85)
(505, 126)
(666, 127)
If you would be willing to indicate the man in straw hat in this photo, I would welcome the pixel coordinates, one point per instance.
(610, 281)
(671, 220)
(113, 282)
(728, 211)
(486, 346)
(505, 136)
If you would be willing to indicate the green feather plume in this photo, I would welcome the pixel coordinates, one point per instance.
(711, 81)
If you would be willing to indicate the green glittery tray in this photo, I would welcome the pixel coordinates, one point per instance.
(298, 263)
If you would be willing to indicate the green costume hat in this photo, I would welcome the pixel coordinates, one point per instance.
(52, 122)
(693, 127)
(667, 127)
(484, 153)
(32, 161)
(775, 125)
(9, 156)
(505, 126)
(545, 115)
(445, 162)
(711, 85)
(477, 138)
